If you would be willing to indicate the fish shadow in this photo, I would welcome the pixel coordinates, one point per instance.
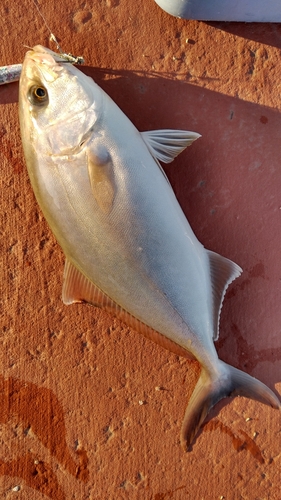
(223, 184)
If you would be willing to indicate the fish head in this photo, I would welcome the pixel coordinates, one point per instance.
(58, 105)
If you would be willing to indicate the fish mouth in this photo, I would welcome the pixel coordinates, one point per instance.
(47, 62)
(46, 56)
(42, 63)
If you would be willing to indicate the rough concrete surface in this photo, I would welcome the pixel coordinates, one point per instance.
(72, 379)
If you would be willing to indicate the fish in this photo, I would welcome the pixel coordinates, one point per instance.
(128, 246)
(9, 74)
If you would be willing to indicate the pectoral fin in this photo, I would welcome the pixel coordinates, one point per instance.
(101, 176)
(165, 145)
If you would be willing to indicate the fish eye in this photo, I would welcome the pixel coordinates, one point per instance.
(38, 95)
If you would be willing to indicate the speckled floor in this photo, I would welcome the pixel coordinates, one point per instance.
(72, 378)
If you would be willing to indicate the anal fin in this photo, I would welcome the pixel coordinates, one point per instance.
(78, 288)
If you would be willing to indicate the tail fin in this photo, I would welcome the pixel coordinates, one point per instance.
(210, 389)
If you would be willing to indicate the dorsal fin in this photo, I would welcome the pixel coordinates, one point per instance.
(77, 288)
(223, 271)
(166, 144)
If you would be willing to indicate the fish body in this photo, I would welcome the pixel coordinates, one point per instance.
(128, 246)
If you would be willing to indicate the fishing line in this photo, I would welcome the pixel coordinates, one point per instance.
(52, 36)
(67, 57)
(12, 73)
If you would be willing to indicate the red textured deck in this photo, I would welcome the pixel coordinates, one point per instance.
(72, 422)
